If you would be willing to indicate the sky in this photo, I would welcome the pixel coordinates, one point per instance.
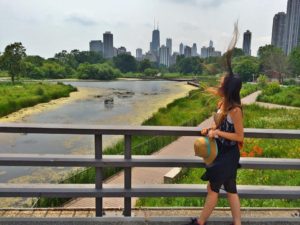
(46, 27)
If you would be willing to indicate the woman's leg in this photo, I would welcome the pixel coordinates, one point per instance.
(235, 207)
(210, 203)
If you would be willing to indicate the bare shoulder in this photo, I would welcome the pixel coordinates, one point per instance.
(235, 112)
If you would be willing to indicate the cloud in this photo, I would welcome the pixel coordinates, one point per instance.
(81, 19)
(202, 3)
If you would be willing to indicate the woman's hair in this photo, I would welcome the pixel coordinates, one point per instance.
(231, 84)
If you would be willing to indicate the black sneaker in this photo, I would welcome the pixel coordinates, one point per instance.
(194, 221)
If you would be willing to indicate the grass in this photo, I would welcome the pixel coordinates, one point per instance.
(21, 95)
(256, 117)
(289, 96)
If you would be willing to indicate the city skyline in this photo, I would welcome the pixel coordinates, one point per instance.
(44, 29)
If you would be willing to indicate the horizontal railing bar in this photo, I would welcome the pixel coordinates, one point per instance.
(137, 161)
(159, 190)
(134, 130)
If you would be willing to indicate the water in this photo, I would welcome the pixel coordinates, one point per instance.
(133, 102)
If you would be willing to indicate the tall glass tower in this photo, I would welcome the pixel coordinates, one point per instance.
(292, 31)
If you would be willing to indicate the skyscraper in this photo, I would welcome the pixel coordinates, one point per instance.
(169, 45)
(164, 56)
(181, 49)
(96, 46)
(204, 52)
(108, 45)
(187, 51)
(139, 54)
(194, 50)
(247, 43)
(155, 44)
(292, 28)
(211, 44)
(278, 30)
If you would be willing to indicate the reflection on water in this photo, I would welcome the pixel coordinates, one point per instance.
(131, 102)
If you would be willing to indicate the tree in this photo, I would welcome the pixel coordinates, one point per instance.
(294, 60)
(125, 63)
(144, 64)
(237, 52)
(11, 60)
(274, 61)
(245, 66)
(190, 65)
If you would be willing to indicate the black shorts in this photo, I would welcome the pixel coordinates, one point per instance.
(228, 186)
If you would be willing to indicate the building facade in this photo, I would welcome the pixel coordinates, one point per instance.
(278, 30)
(96, 46)
(169, 45)
(139, 54)
(155, 44)
(108, 45)
(187, 51)
(292, 28)
(194, 50)
(181, 49)
(247, 43)
(164, 56)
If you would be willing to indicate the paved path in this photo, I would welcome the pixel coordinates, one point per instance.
(183, 146)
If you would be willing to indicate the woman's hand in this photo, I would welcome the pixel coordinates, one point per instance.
(213, 133)
(204, 131)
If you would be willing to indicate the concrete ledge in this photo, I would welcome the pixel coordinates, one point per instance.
(142, 220)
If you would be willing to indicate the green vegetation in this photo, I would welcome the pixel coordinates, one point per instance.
(12, 58)
(248, 89)
(256, 117)
(246, 67)
(21, 95)
(273, 93)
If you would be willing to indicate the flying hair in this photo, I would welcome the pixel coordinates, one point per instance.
(232, 44)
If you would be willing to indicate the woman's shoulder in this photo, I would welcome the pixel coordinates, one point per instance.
(235, 111)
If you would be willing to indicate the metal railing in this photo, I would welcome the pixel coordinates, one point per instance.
(127, 161)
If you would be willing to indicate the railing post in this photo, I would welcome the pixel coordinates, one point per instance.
(127, 174)
(99, 175)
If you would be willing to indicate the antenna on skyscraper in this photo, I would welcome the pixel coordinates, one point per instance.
(154, 23)
(157, 25)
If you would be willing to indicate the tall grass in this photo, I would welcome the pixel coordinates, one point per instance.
(21, 95)
(289, 96)
(255, 117)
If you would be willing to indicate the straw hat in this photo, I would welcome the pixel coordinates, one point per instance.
(206, 148)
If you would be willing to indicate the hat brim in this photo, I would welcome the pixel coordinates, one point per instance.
(212, 153)
(206, 148)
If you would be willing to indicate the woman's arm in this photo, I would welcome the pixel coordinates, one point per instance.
(237, 119)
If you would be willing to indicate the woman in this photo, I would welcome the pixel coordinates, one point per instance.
(229, 135)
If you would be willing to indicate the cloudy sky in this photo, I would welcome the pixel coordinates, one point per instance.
(49, 26)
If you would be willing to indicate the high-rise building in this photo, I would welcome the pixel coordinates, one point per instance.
(187, 51)
(169, 45)
(155, 44)
(164, 56)
(174, 58)
(181, 49)
(121, 50)
(247, 43)
(278, 31)
(96, 46)
(211, 44)
(204, 52)
(108, 45)
(292, 28)
(139, 54)
(194, 50)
